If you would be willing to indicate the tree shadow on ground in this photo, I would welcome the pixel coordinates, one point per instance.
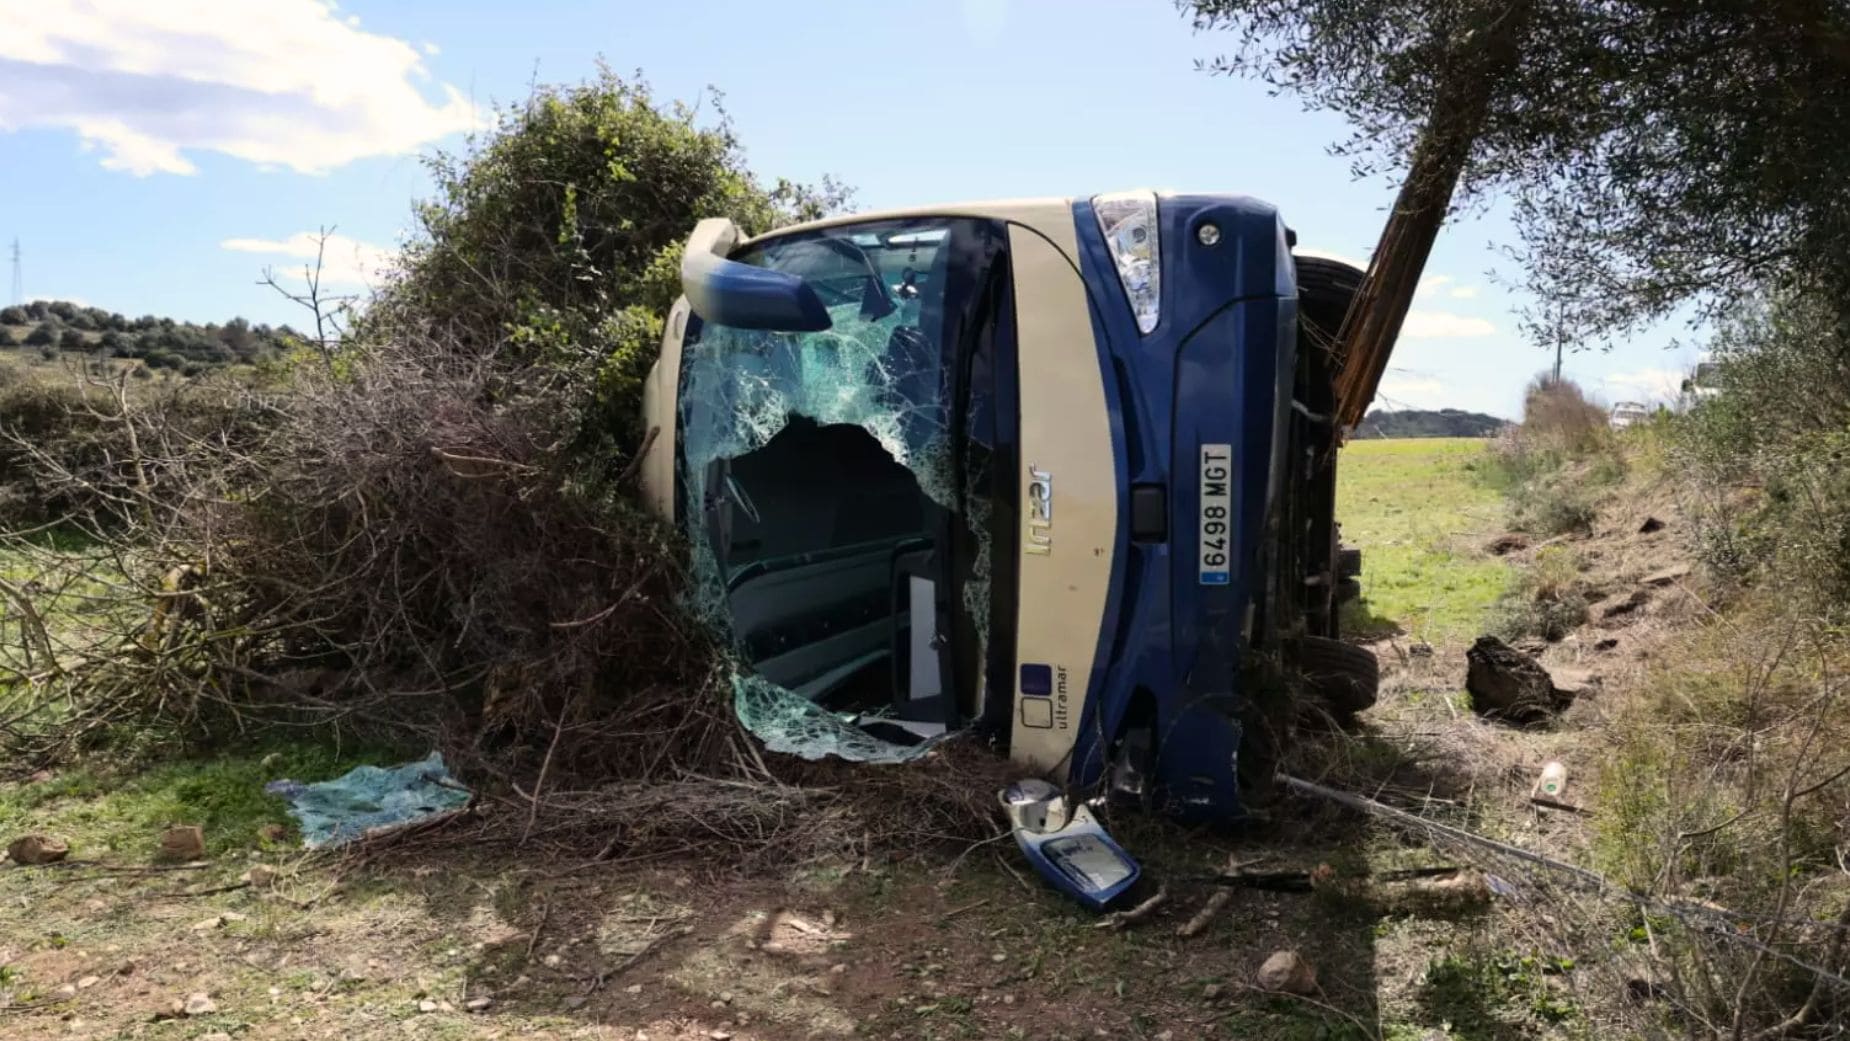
(1360, 622)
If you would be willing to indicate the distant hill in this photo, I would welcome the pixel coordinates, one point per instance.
(50, 326)
(1413, 422)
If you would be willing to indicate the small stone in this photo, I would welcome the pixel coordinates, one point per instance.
(1210, 992)
(88, 981)
(551, 961)
(1667, 576)
(634, 988)
(427, 1005)
(720, 1035)
(38, 849)
(198, 1003)
(218, 921)
(1619, 605)
(261, 876)
(724, 996)
(838, 968)
(1573, 683)
(1504, 545)
(1289, 973)
(183, 842)
(478, 1004)
(998, 957)
(1008, 999)
(64, 993)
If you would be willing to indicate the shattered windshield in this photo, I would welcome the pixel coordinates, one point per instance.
(835, 484)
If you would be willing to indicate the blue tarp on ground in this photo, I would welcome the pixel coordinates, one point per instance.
(341, 810)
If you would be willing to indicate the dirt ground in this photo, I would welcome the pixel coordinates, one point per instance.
(519, 944)
(485, 948)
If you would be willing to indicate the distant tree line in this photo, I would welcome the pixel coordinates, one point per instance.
(1413, 422)
(59, 325)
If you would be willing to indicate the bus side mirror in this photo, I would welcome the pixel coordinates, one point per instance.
(740, 295)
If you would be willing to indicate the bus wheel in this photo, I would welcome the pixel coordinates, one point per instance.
(1341, 677)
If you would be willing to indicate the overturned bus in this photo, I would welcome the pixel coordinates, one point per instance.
(1062, 471)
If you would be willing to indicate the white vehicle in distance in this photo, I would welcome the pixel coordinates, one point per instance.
(1625, 413)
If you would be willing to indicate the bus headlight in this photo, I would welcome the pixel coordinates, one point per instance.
(1128, 221)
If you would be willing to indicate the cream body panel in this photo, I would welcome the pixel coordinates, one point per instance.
(1069, 506)
(1051, 217)
(660, 405)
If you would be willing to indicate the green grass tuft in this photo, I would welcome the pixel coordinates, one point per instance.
(98, 809)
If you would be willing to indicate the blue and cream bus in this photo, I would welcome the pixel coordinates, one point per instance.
(1061, 470)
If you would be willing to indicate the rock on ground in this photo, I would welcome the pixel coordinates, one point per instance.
(37, 849)
(183, 842)
(1504, 545)
(1571, 683)
(1286, 971)
(1667, 576)
(198, 1003)
(1508, 684)
(1619, 605)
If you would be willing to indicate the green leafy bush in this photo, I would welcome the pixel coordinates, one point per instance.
(552, 246)
(1768, 453)
(1552, 505)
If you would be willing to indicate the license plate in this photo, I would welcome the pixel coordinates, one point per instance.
(1216, 543)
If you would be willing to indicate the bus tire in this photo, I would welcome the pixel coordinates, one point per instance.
(1341, 677)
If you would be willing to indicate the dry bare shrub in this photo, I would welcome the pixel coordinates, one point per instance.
(432, 536)
(1727, 790)
(1560, 417)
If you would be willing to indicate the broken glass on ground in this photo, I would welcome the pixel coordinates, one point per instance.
(368, 797)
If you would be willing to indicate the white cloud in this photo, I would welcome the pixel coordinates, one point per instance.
(346, 262)
(284, 83)
(1445, 285)
(1424, 324)
(1649, 384)
(1410, 391)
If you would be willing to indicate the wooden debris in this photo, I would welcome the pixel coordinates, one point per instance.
(1216, 902)
(1120, 919)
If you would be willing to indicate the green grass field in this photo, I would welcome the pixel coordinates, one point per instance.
(1420, 512)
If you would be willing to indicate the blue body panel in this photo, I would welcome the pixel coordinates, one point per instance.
(1217, 369)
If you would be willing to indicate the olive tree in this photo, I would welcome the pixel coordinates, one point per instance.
(1657, 152)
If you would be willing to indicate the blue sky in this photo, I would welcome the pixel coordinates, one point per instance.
(155, 157)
